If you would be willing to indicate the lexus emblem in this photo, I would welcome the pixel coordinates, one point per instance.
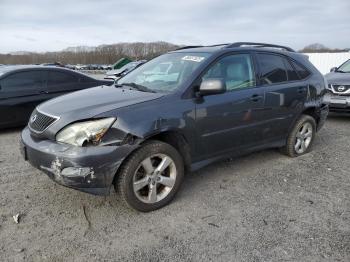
(341, 88)
(33, 118)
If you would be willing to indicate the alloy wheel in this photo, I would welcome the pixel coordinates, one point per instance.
(154, 178)
(303, 138)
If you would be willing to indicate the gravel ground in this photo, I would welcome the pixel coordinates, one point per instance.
(261, 207)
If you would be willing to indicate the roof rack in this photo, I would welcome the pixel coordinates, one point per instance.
(189, 46)
(239, 44)
(219, 45)
(197, 46)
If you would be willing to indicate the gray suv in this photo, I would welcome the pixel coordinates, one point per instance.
(178, 112)
(338, 95)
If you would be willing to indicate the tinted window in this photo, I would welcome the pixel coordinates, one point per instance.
(22, 81)
(84, 79)
(272, 69)
(236, 71)
(292, 74)
(302, 71)
(58, 78)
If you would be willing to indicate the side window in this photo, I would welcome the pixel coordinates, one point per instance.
(84, 79)
(59, 78)
(272, 69)
(292, 74)
(235, 70)
(302, 71)
(22, 81)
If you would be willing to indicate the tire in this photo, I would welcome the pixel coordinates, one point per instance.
(295, 136)
(137, 172)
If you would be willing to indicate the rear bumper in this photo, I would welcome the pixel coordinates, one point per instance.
(87, 169)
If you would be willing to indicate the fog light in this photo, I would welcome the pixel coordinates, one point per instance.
(77, 172)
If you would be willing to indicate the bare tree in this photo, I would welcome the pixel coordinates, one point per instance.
(104, 54)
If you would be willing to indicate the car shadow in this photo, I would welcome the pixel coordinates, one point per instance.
(339, 116)
(10, 130)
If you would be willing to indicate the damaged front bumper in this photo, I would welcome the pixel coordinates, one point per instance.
(88, 169)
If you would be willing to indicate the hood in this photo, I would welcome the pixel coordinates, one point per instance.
(338, 78)
(93, 101)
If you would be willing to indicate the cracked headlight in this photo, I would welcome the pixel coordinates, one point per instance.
(85, 133)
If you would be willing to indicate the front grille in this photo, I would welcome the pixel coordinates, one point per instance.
(38, 122)
(341, 88)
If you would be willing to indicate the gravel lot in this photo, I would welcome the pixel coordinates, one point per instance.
(261, 207)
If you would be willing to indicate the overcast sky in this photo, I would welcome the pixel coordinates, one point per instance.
(45, 25)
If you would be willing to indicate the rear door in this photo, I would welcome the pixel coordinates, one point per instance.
(284, 94)
(20, 93)
(60, 83)
(232, 120)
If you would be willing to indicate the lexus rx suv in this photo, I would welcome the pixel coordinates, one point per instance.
(143, 133)
(338, 95)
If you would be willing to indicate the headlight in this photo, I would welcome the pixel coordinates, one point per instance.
(84, 133)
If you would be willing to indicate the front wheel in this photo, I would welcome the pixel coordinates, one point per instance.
(301, 137)
(151, 176)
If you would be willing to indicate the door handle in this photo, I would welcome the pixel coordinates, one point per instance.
(43, 92)
(255, 97)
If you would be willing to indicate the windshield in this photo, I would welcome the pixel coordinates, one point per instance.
(345, 67)
(129, 65)
(165, 73)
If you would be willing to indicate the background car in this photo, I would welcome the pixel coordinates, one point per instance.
(53, 64)
(22, 88)
(121, 62)
(338, 95)
(118, 73)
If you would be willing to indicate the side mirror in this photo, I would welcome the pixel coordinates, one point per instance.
(333, 69)
(212, 87)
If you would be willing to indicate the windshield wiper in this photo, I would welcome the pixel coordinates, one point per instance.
(136, 87)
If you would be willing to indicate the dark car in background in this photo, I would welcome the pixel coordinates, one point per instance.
(338, 95)
(118, 73)
(22, 88)
(180, 111)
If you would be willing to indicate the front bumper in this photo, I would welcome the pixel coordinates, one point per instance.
(337, 102)
(88, 169)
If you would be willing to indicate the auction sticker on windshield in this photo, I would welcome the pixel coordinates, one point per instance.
(193, 58)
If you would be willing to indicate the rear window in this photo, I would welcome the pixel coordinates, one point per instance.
(22, 81)
(58, 78)
(272, 68)
(302, 71)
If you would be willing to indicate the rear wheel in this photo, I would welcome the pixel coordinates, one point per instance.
(151, 176)
(301, 137)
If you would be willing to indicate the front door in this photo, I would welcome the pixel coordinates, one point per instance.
(231, 120)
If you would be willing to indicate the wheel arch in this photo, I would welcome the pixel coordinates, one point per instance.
(171, 137)
(176, 139)
(312, 111)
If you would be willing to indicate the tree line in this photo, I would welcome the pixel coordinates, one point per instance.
(104, 54)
